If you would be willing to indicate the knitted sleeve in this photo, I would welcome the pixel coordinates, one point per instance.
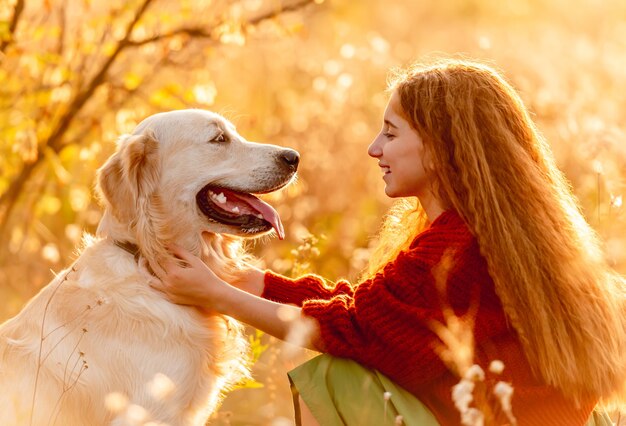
(387, 324)
(286, 290)
(390, 322)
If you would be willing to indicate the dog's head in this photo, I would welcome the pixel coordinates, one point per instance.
(188, 172)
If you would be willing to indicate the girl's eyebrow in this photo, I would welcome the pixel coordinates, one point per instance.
(390, 124)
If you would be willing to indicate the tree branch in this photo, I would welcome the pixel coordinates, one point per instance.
(278, 11)
(17, 12)
(62, 24)
(10, 197)
(79, 101)
(200, 32)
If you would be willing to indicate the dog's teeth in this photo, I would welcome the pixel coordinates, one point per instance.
(218, 198)
(260, 216)
(235, 209)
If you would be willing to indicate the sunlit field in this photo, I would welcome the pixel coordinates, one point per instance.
(310, 75)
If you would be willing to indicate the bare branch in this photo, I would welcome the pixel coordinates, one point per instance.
(9, 198)
(79, 101)
(62, 25)
(200, 32)
(278, 11)
(17, 12)
(197, 32)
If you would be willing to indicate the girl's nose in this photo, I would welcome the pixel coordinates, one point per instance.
(375, 149)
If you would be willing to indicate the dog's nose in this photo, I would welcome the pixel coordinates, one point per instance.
(290, 157)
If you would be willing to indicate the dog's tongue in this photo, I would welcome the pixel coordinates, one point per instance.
(262, 207)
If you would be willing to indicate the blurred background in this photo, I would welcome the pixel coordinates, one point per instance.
(311, 75)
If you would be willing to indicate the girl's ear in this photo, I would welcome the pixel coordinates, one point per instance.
(130, 175)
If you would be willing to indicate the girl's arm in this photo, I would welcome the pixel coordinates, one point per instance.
(195, 284)
(252, 280)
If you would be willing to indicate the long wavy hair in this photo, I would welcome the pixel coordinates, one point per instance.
(494, 168)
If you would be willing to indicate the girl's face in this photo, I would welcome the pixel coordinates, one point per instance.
(400, 153)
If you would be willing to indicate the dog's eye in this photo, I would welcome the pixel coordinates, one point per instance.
(219, 138)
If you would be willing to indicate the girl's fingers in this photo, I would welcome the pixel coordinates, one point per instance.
(158, 270)
(166, 266)
(180, 252)
(156, 284)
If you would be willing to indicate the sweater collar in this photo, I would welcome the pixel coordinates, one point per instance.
(447, 217)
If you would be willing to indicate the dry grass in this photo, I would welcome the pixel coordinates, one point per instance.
(314, 81)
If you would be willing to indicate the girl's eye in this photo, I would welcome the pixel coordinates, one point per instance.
(219, 138)
(388, 135)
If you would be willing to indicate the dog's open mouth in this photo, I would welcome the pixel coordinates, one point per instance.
(240, 209)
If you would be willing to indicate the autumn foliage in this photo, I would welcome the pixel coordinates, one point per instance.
(74, 75)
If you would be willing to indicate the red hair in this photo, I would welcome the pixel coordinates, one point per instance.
(494, 168)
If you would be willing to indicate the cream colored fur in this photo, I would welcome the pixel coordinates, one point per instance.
(97, 345)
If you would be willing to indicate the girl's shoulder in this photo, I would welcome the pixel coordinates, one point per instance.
(448, 229)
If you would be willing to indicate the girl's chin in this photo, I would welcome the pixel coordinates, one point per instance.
(394, 193)
(390, 192)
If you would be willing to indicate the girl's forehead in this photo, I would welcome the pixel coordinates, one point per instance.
(394, 112)
(393, 104)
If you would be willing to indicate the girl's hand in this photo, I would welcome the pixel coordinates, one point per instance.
(189, 282)
(193, 283)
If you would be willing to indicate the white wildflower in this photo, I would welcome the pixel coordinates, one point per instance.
(475, 373)
(286, 313)
(281, 421)
(399, 420)
(496, 366)
(116, 402)
(136, 414)
(597, 167)
(300, 330)
(473, 417)
(616, 201)
(504, 392)
(387, 396)
(161, 386)
(462, 395)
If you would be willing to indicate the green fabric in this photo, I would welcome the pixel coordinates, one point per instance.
(341, 392)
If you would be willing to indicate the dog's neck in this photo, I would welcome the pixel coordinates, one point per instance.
(129, 248)
(110, 227)
(216, 250)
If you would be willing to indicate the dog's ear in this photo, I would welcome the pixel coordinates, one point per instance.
(114, 190)
(130, 176)
(140, 162)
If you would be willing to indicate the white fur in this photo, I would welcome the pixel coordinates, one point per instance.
(98, 332)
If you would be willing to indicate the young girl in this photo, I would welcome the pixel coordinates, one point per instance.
(494, 236)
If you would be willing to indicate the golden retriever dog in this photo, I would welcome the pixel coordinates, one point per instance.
(98, 345)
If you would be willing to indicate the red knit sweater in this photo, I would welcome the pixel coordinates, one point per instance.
(385, 323)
